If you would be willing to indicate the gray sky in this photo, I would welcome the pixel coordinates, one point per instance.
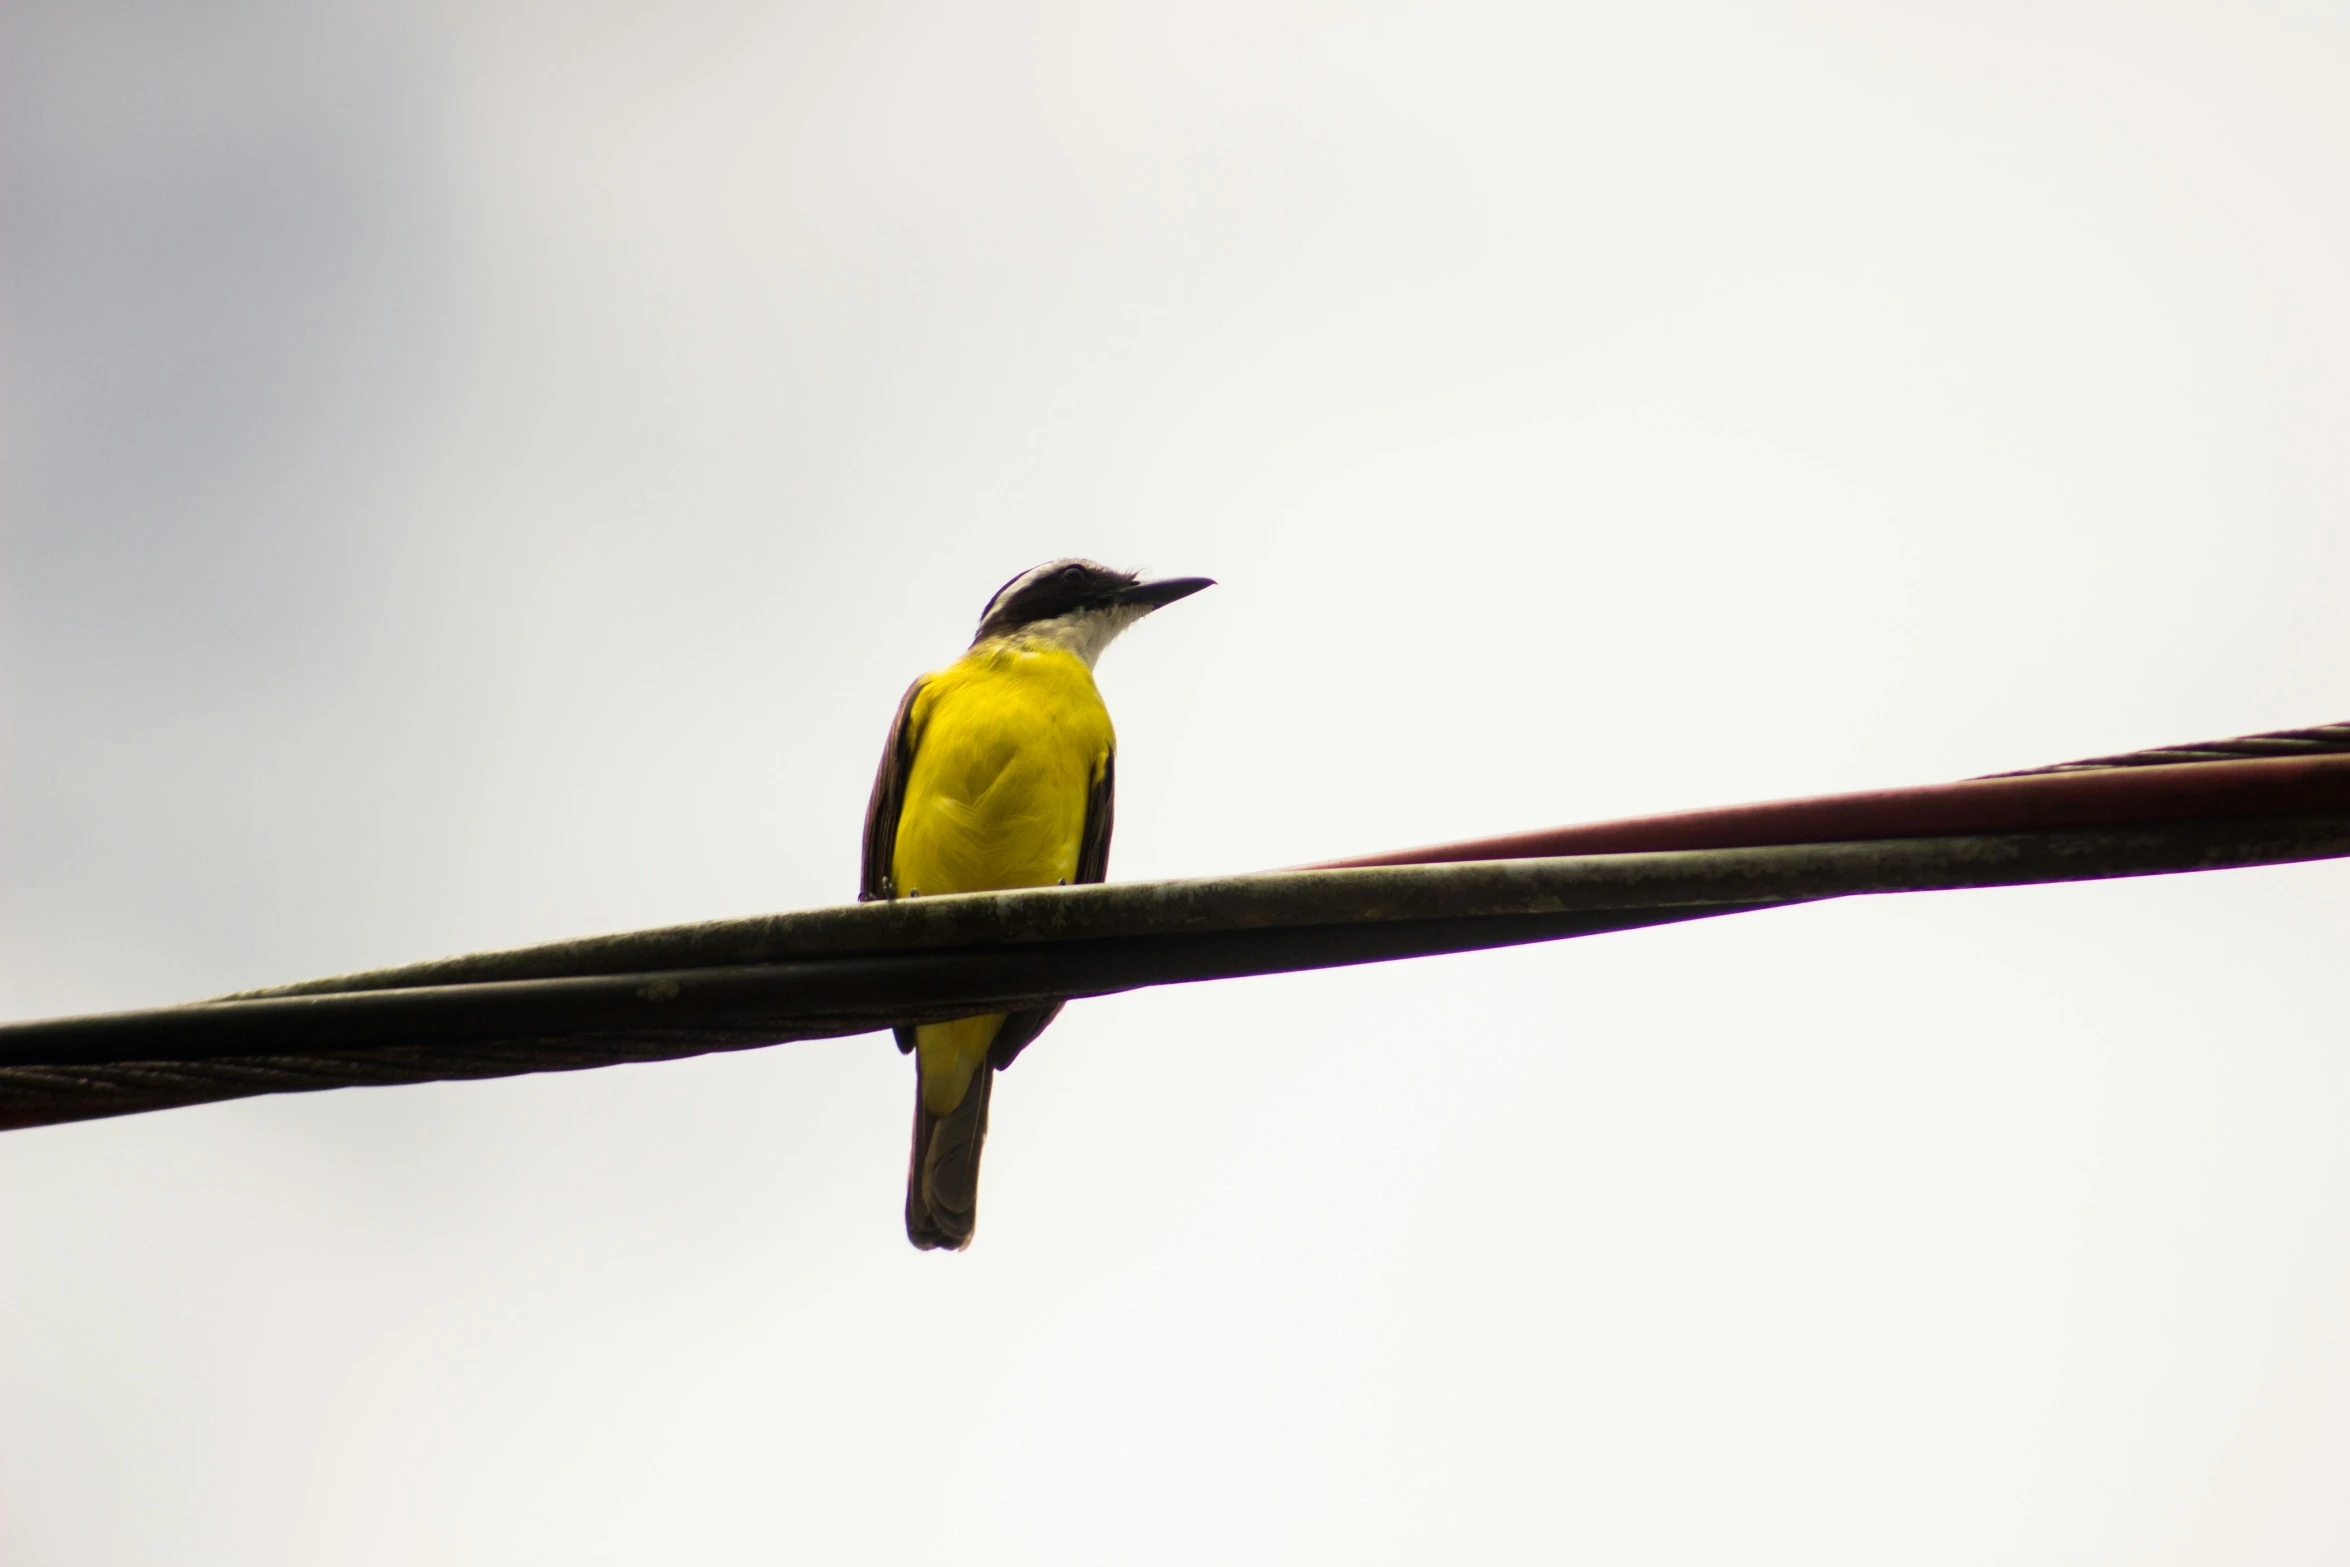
(481, 474)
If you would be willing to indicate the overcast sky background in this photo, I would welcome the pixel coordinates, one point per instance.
(478, 474)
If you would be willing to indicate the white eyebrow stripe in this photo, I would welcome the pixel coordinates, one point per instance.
(1032, 574)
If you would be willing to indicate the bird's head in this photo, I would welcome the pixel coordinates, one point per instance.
(1077, 604)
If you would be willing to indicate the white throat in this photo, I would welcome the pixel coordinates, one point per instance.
(1084, 632)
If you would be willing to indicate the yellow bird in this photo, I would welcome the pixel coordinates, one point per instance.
(999, 772)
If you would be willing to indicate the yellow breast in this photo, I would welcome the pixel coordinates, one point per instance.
(1009, 741)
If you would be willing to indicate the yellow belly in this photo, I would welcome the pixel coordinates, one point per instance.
(1008, 743)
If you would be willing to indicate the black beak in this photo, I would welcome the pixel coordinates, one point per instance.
(1159, 594)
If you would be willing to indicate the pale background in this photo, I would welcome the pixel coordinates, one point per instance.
(477, 474)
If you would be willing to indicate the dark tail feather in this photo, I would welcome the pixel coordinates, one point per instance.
(942, 1181)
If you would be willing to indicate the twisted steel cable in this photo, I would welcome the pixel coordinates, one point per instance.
(2317, 740)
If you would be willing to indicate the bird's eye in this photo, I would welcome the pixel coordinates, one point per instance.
(1072, 573)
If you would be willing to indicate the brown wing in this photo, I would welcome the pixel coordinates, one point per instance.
(888, 799)
(1093, 850)
(1093, 864)
(881, 816)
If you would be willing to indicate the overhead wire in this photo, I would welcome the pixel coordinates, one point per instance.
(734, 984)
